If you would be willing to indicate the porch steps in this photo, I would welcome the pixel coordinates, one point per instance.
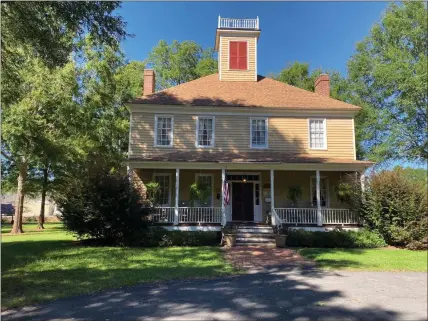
(254, 235)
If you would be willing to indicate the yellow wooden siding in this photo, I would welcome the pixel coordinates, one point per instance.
(237, 75)
(232, 133)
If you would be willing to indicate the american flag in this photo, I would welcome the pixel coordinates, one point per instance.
(226, 193)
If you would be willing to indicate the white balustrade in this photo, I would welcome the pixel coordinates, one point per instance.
(339, 216)
(238, 23)
(163, 215)
(309, 216)
(199, 214)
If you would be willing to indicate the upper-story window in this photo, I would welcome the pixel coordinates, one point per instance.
(317, 134)
(238, 55)
(164, 128)
(205, 129)
(259, 132)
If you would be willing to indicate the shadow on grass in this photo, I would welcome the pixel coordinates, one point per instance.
(316, 255)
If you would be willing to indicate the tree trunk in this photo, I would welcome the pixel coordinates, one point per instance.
(41, 220)
(17, 221)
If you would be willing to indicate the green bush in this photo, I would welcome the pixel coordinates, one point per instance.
(158, 236)
(336, 238)
(104, 206)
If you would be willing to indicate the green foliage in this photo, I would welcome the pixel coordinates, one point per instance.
(105, 206)
(389, 73)
(199, 192)
(180, 62)
(344, 192)
(158, 236)
(335, 239)
(153, 189)
(294, 193)
(393, 205)
(49, 27)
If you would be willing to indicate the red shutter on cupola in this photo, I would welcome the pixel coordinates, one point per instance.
(238, 55)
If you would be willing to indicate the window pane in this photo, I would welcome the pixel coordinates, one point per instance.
(317, 134)
(323, 191)
(164, 131)
(258, 132)
(205, 131)
(163, 193)
(206, 181)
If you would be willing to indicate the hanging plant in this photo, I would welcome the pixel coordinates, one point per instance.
(344, 192)
(152, 193)
(199, 192)
(294, 193)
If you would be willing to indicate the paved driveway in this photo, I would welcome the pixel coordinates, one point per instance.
(286, 293)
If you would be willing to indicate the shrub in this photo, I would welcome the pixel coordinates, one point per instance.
(158, 236)
(336, 238)
(104, 206)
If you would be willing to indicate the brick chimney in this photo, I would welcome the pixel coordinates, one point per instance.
(149, 82)
(322, 85)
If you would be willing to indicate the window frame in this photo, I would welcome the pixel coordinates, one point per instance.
(327, 187)
(197, 175)
(248, 54)
(324, 120)
(169, 187)
(266, 145)
(197, 132)
(156, 131)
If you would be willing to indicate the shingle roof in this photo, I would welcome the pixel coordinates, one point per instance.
(266, 92)
(244, 157)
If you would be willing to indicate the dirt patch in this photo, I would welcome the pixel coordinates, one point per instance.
(260, 257)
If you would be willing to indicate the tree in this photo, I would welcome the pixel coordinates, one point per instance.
(180, 62)
(389, 77)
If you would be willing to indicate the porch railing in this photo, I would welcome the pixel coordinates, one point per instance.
(309, 216)
(297, 215)
(339, 216)
(163, 215)
(199, 214)
(238, 23)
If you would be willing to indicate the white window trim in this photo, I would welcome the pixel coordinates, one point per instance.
(327, 188)
(197, 132)
(248, 55)
(324, 120)
(169, 187)
(266, 135)
(156, 131)
(197, 175)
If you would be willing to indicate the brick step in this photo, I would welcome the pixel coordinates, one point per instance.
(255, 231)
(270, 244)
(254, 240)
(265, 235)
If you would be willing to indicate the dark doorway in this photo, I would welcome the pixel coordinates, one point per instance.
(242, 202)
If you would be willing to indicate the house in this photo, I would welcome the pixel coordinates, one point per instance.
(251, 135)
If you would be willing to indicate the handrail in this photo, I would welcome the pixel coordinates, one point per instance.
(277, 220)
(238, 23)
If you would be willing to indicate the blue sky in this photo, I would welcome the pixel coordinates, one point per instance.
(323, 34)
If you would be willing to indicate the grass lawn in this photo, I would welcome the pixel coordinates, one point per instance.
(50, 264)
(367, 259)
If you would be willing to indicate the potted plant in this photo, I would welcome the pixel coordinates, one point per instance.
(229, 235)
(293, 194)
(280, 235)
(344, 192)
(198, 192)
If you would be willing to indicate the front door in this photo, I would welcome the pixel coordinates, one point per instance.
(242, 202)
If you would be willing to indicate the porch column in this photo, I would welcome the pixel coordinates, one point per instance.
(177, 188)
(272, 196)
(223, 208)
(319, 213)
(363, 181)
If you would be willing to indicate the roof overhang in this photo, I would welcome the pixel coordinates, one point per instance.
(343, 167)
(235, 33)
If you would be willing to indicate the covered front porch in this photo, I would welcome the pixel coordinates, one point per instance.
(261, 196)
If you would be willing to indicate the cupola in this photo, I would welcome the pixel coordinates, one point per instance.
(236, 44)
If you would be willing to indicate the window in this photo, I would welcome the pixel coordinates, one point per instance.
(164, 193)
(207, 181)
(205, 127)
(317, 134)
(323, 191)
(238, 55)
(259, 133)
(164, 126)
